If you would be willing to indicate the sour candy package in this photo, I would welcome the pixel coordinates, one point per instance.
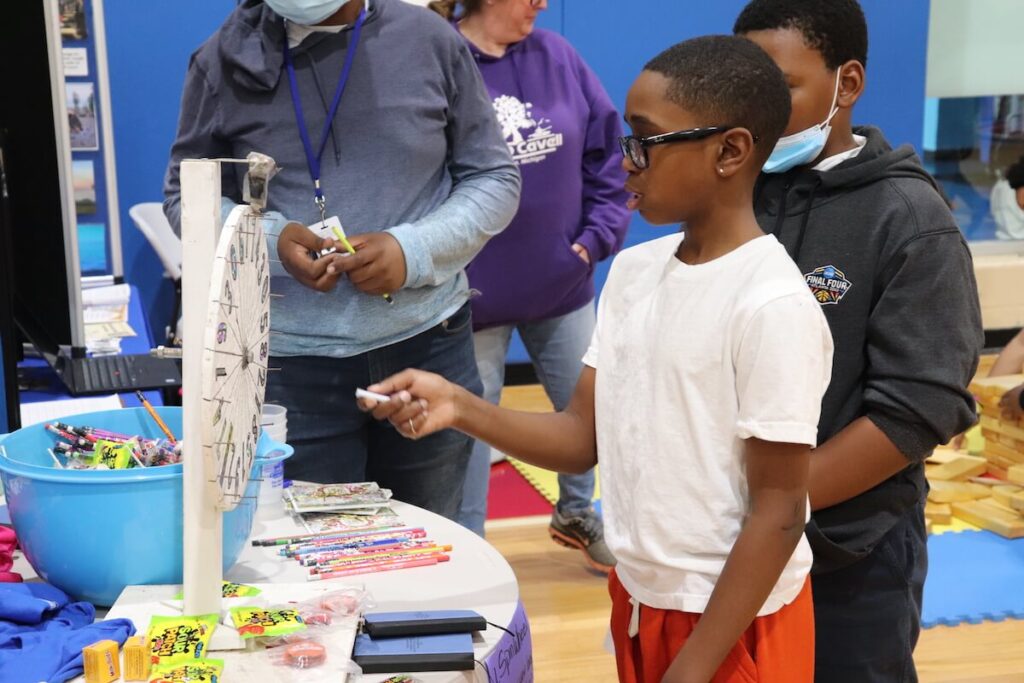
(177, 639)
(201, 671)
(259, 622)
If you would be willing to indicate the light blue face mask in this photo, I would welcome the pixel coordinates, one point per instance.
(305, 12)
(804, 147)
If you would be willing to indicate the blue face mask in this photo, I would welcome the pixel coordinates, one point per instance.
(804, 147)
(305, 12)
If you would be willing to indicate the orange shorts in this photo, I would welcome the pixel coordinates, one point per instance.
(777, 648)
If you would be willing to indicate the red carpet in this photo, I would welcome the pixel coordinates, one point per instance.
(512, 496)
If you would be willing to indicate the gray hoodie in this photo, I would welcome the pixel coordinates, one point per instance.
(883, 255)
(415, 151)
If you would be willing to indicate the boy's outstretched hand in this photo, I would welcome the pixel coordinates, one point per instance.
(421, 403)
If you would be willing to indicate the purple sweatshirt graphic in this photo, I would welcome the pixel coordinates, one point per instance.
(561, 128)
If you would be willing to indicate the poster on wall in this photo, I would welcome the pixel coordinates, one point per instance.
(92, 248)
(72, 19)
(81, 100)
(83, 175)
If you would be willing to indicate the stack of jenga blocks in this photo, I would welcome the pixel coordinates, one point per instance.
(998, 504)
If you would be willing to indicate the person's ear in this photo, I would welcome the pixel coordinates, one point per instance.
(734, 152)
(851, 84)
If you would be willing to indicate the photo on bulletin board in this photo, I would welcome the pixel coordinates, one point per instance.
(81, 98)
(92, 248)
(83, 174)
(72, 19)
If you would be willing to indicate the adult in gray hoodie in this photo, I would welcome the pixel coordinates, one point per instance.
(415, 168)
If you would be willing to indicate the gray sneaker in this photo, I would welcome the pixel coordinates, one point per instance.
(586, 533)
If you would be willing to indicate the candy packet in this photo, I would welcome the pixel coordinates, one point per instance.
(176, 639)
(200, 671)
(259, 622)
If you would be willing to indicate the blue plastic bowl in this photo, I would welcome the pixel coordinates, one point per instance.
(91, 533)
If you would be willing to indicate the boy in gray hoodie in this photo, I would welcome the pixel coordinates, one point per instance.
(375, 110)
(880, 251)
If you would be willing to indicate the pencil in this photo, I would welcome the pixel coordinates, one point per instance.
(352, 250)
(382, 567)
(156, 418)
(285, 540)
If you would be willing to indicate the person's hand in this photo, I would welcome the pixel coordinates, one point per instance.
(421, 403)
(378, 266)
(582, 252)
(1009, 404)
(294, 247)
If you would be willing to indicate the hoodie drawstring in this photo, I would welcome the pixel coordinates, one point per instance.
(327, 107)
(806, 218)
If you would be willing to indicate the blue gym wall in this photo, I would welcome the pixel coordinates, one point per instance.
(149, 45)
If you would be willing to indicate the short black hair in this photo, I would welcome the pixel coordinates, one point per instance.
(1015, 174)
(835, 28)
(729, 81)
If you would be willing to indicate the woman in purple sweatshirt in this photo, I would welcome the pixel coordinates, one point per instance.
(537, 276)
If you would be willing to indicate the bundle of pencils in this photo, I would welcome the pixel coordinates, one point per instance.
(85, 447)
(336, 555)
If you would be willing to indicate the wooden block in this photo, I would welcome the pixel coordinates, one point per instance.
(959, 469)
(940, 513)
(1003, 494)
(1004, 452)
(1000, 384)
(942, 455)
(952, 491)
(1006, 429)
(988, 514)
(1016, 474)
(997, 472)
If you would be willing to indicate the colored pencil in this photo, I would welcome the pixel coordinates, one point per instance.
(383, 567)
(288, 540)
(156, 418)
(319, 567)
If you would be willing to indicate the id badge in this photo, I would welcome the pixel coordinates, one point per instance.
(328, 229)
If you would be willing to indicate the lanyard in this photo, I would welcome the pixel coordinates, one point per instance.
(314, 159)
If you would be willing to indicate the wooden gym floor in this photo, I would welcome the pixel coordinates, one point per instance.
(568, 608)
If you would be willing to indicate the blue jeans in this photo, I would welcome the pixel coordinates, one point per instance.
(556, 347)
(335, 442)
(867, 617)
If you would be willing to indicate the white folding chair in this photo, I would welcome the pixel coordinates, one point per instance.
(150, 220)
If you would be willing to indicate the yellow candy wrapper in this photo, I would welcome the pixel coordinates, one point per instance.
(202, 671)
(259, 622)
(231, 590)
(177, 639)
(115, 455)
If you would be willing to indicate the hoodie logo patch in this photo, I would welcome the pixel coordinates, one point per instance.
(529, 140)
(828, 284)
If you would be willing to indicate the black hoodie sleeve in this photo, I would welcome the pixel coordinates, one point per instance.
(924, 337)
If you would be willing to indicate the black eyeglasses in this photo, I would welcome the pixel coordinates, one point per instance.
(636, 148)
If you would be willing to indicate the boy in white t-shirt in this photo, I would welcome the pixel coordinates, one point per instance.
(700, 394)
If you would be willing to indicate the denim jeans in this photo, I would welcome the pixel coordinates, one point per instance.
(868, 615)
(335, 442)
(556, 347)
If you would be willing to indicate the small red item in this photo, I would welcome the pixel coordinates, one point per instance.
(316, 617)
(340, 604)
(305, 654)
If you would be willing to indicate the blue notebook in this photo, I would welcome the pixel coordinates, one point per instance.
(451, 652)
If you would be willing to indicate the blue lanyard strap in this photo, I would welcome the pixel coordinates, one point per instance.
(314, 159)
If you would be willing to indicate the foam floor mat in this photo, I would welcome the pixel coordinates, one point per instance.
(973, 576)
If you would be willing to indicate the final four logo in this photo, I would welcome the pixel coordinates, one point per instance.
(828, 284)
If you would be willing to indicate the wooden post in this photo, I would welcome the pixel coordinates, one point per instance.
(203, 522)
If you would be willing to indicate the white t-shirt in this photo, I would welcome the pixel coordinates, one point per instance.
(828, 163)
(1006, 211)
(692, 360)
(299, 32)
